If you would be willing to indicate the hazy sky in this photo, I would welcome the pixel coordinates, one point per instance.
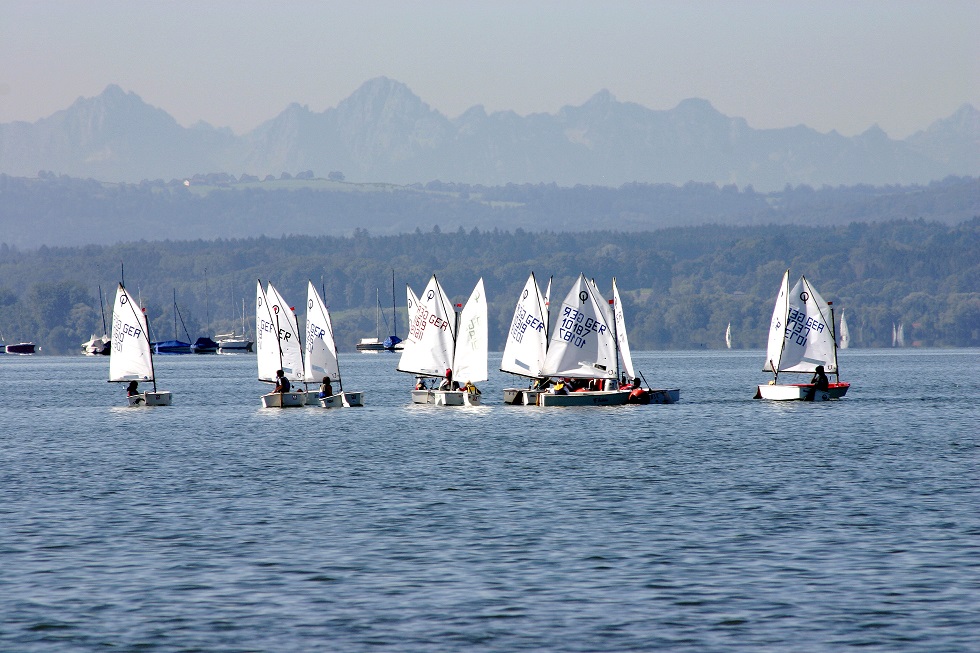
(842, 65)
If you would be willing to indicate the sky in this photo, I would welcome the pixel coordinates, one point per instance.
(831, 65)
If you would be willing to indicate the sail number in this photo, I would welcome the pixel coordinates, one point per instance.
(524, 322)
(422, 318)
(268, 327)
(120, 330)
(799, 325)
(575, 326)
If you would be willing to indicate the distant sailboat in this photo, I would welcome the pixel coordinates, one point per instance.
(98, 345)
(132, 357)
(441, 340)
(728, 336)
(801, 338)
(845, 333)
(321, 353)
(277, 347)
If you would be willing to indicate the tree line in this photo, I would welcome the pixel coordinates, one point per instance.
(680, 286)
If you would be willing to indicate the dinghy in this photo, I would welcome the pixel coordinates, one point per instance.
(321, 353)
(583, 349)
(442, 342)
(801, 338)
(527, 343)
(277, 347)
(132, 356)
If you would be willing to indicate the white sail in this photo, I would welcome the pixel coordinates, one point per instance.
(527, 339)
(624, 345)
(582, 344)
(900, 335)
(845, 334)
(728, 336)
(266, 340)
(809, 339)
(777, 327)
(131, 358)
(431, 334)
(289, 343)
(321, 349)
(470, 358)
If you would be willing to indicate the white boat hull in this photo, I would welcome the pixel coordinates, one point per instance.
(158, 398)
(587, 398)
(799, 392)
(284, 400)
(343, 399)
(445, 398)
(521, 397)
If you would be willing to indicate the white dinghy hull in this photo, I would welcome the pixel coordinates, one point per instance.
(799, 392)
(158, 398)
(518, 397)
(343, 400)
(445, 398)
(284, 400)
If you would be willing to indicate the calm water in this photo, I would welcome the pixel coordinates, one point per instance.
(717, 524)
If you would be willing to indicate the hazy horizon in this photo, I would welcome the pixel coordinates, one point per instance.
(832, 66)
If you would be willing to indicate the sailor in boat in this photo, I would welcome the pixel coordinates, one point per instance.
(448, 383)
(471, 389)
(326, 389)
(132, 389)
(420, 383)
(282, 383)
(820, 383)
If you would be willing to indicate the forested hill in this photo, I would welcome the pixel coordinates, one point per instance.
(53, 211)
(681, 286)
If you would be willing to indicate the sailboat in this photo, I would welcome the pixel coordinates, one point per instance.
(584, 347)
(204, 344)
(175, 346)
(390, 343)
(845, 333)
(132, 356)
(232, 342)
(728, 336)
(801, 337)
(527, 343)
(98, 345)
(638, 393)
(321, 353)
(442, 341)
(277, 347)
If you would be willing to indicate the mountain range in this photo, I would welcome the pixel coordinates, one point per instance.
(383, 132)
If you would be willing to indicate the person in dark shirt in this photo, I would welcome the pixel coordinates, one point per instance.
(282, 383)
(820, 383)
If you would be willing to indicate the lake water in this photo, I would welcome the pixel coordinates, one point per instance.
(718, 524)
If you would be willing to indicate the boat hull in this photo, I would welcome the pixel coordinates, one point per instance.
(157, 398)
(445, 398)
(587, 398)
(799, 392)
(22, 348)
(342, 400)
(655, 396)
(521, 397)
(284, 400)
